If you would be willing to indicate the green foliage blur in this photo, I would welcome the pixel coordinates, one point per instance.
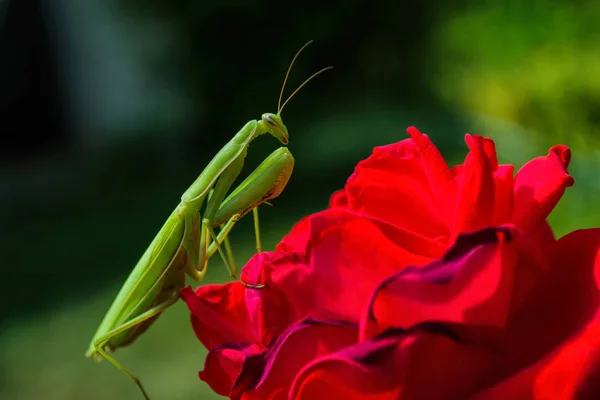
(522, 72)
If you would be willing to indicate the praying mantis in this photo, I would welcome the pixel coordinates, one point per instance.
(187, 240)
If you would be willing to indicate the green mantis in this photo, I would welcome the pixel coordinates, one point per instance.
(188, 239)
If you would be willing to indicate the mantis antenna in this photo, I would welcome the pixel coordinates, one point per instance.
(288, 74)
(279, 106)
(300, 87)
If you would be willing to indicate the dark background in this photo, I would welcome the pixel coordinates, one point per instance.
(110, 109)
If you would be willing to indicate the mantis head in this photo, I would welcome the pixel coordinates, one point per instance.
(276, 127)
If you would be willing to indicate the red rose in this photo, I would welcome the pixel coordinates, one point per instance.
(341, 313)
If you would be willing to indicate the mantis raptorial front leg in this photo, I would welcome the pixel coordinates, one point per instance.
(266, 182)
(187, 240)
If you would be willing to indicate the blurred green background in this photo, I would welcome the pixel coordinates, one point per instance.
(110, 109)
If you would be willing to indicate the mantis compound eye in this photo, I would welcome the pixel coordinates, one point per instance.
(269, 120)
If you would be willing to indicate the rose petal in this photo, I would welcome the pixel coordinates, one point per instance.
(339, 199)
(489, 147)
(394, 366)
(273, 371)
(297, 241)
(219, 314)
(574, 372)
(563, 300)
(223, 365)
(503, 195)
(476, 196)
(270, 308)
(543, 235)
(570, 373)
(392, 185)
(439, 175)
(479, 280)
(538, 187)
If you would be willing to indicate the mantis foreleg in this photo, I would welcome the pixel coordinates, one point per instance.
(264, 183)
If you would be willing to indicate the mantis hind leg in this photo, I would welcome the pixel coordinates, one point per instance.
(229, 251)
(215, 246)
(202, 245)
(257, 229)
(223, 238)
(206, 225)
(229, 268)
(100, 342)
